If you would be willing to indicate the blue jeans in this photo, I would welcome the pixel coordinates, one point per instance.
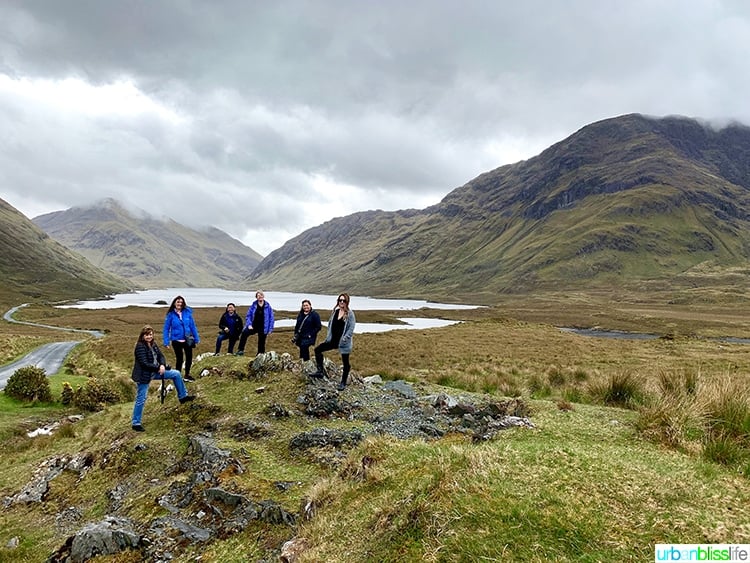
(140, 396)
(224, 336)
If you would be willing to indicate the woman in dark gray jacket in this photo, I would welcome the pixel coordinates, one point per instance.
(306, 329)
(340, 335)
(150, 364)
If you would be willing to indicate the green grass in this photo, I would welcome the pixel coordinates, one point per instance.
(590, 483)
(579, 488)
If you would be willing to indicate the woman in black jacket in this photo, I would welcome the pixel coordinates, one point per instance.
(306, 329)
(230, 327)
(150, 364)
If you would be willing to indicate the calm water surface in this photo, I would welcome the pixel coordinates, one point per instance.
(280, 301)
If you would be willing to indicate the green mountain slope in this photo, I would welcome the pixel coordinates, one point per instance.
(148, 251)
(35, 267)
(620, 201)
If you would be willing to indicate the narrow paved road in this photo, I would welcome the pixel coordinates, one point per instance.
(50, 357)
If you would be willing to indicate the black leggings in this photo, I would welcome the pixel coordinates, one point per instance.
(179, 348)
(261, 340)
(324, 347)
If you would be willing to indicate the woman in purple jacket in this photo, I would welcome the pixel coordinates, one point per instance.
(259, 320)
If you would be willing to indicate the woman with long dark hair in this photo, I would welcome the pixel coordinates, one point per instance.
(181, 334)
(306, 329)
(340, 335)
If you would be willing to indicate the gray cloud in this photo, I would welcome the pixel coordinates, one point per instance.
(267, 118)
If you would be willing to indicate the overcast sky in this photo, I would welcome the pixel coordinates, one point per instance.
(266, 118)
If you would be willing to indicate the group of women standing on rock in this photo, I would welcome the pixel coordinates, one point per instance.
(181, 334)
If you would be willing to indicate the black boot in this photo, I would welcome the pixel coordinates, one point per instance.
(344, 377)
(320, 374)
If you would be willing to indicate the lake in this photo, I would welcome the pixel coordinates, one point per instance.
(280, 301)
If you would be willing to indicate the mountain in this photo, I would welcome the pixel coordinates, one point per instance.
(150, 252)
(621, 201)
(35, 267)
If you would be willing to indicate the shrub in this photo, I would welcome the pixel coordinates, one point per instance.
(580, 375)
(66, 397)
(574, 395)
(95, 395)
(728, 412)
(29, 383)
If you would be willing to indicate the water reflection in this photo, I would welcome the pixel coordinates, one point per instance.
(361, 328)
(279, 300)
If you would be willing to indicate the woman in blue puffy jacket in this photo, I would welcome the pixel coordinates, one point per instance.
(181, 334)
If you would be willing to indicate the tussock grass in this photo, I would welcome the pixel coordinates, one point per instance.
(698, 415)
(621, 389)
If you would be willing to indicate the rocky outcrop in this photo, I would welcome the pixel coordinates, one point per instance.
(108, 537)
(201, 501)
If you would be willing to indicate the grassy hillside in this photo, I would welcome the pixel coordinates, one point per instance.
(34, 267)
(622, 201)
(149, 251)
(590, 483)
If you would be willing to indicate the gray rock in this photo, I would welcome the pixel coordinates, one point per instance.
(322, 402)
(402, 387)
(225, 497)
(250, 429)
(108, 537)
(68, 519)
(443, 401)
(321, 437)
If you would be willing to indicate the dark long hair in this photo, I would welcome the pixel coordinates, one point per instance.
(345, 297)
(184, 303)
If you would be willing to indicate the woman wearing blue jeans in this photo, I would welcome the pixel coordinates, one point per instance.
(149, 365)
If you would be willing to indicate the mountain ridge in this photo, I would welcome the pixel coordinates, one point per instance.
(35, 267)
(620, 201)
(151, 252)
